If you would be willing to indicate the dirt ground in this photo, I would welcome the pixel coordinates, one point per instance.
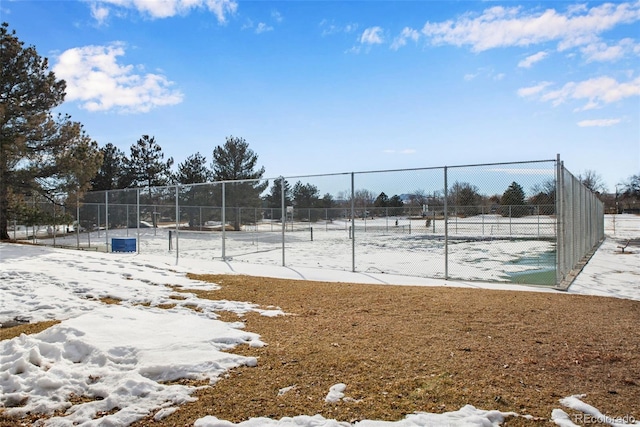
(404, 349)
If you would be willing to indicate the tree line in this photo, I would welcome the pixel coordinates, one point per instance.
(50, 157)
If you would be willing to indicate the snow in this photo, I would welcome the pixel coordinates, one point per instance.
(590, 415)
(120, 356)
(467, 416)
(336, 392)
(610, 272)
(492, 248)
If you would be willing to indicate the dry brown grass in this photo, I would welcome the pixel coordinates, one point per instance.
(402, 349)
(27, 328)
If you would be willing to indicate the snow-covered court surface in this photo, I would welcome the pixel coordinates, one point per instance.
(482, 247)
(122, 356)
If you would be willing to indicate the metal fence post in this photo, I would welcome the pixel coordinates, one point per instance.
(106, 218)
(446, 227)
(353, 225)
(138, 218)
(283, 218)
(559, 222)
(177, 222)
(223, 220)
(77, 219)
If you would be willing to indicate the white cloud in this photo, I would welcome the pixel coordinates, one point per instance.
(602, 52)
(350, 28)
(533, 90)
(599, 122)
(277, 16)
(597, 92)
(502, 27)
(484, 73)
(99, 83)
(99, 13)
(169, 8)
(247, 25)
(406, 34)
(330, 28)
(372, 35)
(263, 28)
(532, 59)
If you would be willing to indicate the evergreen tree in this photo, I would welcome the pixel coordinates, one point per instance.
(193, 170)
(327, 201)
(274, 198)
(382, 201)
(396, 205)
(235, 161)
(39, 154)
(305, 195)
(149, 169)
(513, 201)
(113, 172)
(147, 165)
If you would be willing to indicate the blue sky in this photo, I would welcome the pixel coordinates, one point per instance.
(338, 86)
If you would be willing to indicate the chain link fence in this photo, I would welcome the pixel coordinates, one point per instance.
(525, 222)
(580, 225)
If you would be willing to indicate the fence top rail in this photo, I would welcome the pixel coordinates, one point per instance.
(457, 166)
(337, 174)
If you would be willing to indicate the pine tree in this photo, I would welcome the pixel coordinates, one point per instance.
(113, 172)
(382, 201)
(305, 195)
(193, 170)
(51, 157)
(147, 165)
(396, 205)
(273, 199)
(235, 161)
(148, 168)
(305, 198)
(513, 201)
